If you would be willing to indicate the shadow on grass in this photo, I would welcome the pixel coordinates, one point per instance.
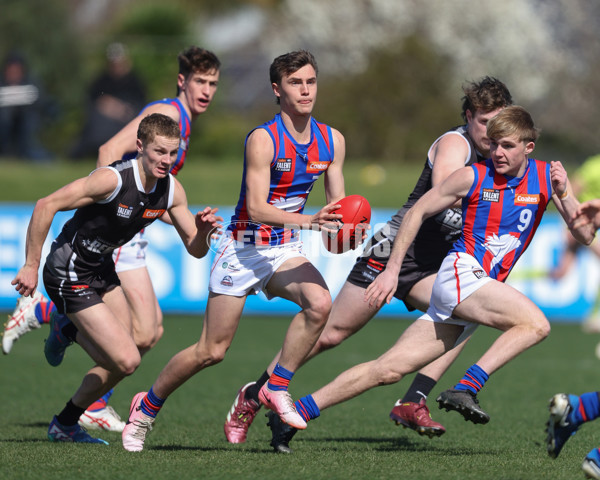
(395, 444)
(306, 445)
(25, 440)
(385, 444)
(34, 424)
(343, 444)
(198, 448)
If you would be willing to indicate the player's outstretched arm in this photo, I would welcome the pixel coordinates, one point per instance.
(568, 205)
(195, 231)
(440, 197)
(79, 193)
(587, 215)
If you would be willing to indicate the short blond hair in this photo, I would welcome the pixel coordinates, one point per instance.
(513, 121)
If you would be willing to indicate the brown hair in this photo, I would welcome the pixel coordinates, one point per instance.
(197, 60)
(289, 63)
(157, 124)
(486, 95)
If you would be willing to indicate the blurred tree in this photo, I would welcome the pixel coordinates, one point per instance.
(211, 7)
(155, 34)
(396, 107)
(569, 113)
(545, 51)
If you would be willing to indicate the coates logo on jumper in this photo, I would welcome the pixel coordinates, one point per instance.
(283, 165)
(490, 195)
(527, 199)
(153, 213)
(316, 167)
(124, 211)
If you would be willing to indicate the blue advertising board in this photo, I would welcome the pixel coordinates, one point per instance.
(181, 281)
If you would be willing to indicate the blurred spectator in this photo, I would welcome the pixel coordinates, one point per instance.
(20, 111)
(115, 97)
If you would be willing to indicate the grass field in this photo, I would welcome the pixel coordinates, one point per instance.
(352, 440)
(213, 181)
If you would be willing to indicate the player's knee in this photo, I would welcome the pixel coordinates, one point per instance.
(146, 339)
(145, 343)
(332, 337)
(535, 326)
(319, 308)
(159, 333)
(211, 355)
(159, 325)
(387, 375)
(128, 363)
(216, 356)
(542, 328)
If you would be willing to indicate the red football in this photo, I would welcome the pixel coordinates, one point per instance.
(355, 210)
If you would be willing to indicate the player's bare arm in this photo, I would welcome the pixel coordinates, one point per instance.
(195, 232)
(334, 184)
(588, 213)
(443, 196)
(335, 188)
(567, 204)
(79, 193)
(448, 155)
(334, 176)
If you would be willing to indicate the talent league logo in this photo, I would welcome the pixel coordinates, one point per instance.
(283, 165)
(124, 211)
(490, 195)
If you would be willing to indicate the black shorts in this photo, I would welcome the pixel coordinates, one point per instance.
(82, 288)
(374, 261)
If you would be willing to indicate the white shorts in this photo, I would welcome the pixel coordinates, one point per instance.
(459, 276)
(132, 255)
(243, 269)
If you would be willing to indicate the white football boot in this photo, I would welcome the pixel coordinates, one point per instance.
(21, 321)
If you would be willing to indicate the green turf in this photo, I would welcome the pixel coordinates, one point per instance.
(212, 181)
(353, 440)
